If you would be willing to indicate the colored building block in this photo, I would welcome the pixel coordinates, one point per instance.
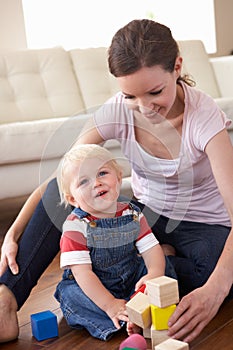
(134, 341)
(138, 309)
(163, 291)
(141, 289)
(158, 337)
(44, 325)
(172, 344)
(160, 316)
(147, 332)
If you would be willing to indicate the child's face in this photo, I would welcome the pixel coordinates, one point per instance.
(95, 187)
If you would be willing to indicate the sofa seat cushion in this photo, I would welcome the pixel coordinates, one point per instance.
(226, 104)
(38, 84)
(40, 139)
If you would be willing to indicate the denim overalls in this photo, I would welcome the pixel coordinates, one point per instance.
(116, 262)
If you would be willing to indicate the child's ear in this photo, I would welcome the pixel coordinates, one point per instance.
(70, 199)
(120, 176)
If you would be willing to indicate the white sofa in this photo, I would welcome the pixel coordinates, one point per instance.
(47, 95)
(212, 75)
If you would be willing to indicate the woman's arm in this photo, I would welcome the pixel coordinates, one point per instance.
(89, 134)
(220, 153)
(95, 290)
(197, 308)
(10, 246)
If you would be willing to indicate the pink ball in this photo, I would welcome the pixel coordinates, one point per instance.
(135, 341)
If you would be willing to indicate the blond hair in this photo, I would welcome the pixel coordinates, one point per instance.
(80, 153)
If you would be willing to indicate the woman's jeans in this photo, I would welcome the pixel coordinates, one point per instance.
(198, 246)
(39, 244)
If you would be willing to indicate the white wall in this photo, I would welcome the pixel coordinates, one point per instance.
(224, 26)
(12, 29)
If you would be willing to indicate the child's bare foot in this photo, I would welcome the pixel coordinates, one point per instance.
(9, 328)
(132, 328)
(168, 249)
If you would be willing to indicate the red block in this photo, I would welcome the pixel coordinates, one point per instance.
(141, 289)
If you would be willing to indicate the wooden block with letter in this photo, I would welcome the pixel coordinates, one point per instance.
(172, 344)
(163, 291)
(138, 309)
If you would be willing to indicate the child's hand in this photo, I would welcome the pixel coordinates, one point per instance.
(140, 283)
(143, 280)
(117, 312)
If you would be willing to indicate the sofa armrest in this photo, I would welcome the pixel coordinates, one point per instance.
(223, 69)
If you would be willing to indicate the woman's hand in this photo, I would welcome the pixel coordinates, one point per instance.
(193, 313)
(8, 256)
(117, 312)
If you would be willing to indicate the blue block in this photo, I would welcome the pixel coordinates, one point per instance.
(44, 325)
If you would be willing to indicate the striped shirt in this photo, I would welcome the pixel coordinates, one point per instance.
(73, 243)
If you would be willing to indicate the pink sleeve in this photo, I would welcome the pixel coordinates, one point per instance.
(210, 120)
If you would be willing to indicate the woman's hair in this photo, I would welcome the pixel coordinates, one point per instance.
(76, 155)
(143, 43)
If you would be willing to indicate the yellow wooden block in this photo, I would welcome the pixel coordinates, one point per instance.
(138, 309)
(160, 316)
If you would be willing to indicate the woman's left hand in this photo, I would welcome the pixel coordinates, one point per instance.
(193, 313)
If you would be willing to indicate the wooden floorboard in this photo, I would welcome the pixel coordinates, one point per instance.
(217, 335)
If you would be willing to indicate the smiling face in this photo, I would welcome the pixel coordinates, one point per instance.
(152, 92)
(94, 186)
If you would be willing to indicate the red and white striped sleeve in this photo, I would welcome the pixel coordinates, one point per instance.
(146, 238)
(73, 243)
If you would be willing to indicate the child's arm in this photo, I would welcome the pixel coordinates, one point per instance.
(155, 262)
(151, 251)
(95, 290)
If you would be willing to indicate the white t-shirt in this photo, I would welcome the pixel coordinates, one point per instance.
(183, 188)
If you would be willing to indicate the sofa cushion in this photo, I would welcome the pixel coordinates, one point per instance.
(37, 84)
(22, 178)
(39, 139)
(223, 69)
(196, 64)
(226, 104)
(92, 73)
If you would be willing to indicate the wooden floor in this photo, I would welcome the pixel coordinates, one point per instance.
(218, 335)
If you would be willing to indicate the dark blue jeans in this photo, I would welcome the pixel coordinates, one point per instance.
(198, 246)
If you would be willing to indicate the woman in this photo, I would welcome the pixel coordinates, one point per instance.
(182, 163)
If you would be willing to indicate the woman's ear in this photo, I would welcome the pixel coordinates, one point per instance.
(178, 66)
